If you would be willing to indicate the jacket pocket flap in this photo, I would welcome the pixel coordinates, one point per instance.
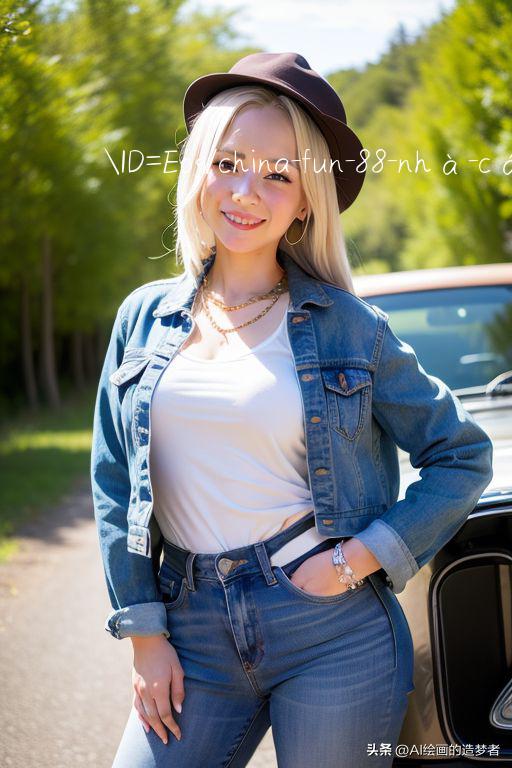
(346, 381)
(134, 360)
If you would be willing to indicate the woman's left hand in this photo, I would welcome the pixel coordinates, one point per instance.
(318, 576)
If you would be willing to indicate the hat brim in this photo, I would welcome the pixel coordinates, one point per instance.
(344, 145)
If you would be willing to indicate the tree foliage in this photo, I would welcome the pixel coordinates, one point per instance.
(81, 83)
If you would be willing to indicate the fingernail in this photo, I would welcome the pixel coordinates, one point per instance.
(178, 707)
(164, 741)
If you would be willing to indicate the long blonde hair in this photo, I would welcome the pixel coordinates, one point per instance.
(321, 252)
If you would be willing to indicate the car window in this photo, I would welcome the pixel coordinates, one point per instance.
(461, 335)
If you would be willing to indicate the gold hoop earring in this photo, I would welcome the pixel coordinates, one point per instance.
(303, 228)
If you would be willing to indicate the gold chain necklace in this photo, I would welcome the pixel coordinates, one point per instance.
(274, 294)
(278, 289)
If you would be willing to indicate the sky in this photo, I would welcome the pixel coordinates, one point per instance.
(330, 34)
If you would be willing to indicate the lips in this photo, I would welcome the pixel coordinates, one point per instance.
(242, 226)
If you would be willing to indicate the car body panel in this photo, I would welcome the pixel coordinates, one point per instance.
(425, 721)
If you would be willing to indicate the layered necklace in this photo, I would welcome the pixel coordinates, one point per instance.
(207, 295)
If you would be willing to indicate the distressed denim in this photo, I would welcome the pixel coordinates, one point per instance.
(363, 392)
(330, 673)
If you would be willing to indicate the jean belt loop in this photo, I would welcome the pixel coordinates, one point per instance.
(262, 555)
(189, 567)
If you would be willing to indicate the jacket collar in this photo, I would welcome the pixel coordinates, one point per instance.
(302, 286)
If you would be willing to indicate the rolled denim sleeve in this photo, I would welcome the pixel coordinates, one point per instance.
(136, 601)
(423, 417)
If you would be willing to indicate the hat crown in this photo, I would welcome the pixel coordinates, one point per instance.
(294, 71)
(290, 74)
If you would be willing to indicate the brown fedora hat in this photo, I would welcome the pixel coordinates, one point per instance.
(290, 73)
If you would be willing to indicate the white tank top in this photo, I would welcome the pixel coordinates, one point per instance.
(227, 451)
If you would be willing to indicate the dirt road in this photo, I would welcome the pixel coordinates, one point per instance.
(66, 683)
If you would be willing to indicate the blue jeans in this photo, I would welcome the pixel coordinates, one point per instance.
(331, 674)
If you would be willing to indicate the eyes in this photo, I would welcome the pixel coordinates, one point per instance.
(224, 170)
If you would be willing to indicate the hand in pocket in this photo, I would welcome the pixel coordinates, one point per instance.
(318, 576)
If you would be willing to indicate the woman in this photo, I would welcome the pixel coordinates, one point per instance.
(277, 399)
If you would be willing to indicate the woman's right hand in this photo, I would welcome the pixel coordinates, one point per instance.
(157, 672)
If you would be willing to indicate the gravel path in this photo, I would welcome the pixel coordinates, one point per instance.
(66, 684)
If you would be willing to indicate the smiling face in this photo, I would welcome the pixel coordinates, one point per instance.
(258, 188)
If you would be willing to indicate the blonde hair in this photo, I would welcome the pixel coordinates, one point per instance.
(321, 252)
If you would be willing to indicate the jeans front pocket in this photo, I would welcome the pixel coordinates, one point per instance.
(173, 586)
(348, 392)
(285, 581)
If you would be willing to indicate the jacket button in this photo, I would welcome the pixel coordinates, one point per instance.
(321, 471)
(298, 319)
(307, 376)
(315, 419)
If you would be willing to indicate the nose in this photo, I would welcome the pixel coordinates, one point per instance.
(245, 191)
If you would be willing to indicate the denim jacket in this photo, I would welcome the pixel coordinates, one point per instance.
(363, 393)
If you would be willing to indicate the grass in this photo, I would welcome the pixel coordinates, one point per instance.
(42, 456)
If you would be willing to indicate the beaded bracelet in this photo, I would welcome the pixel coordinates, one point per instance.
(343, 569)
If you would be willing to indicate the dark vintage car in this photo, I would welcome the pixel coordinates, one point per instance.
(459, 605)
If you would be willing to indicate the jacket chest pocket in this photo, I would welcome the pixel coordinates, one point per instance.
(135, 359)
(126, 378)
(348, 392)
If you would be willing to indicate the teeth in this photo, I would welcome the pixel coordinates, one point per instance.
(241, 221)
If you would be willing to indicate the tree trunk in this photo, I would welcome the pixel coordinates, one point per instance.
(27, 352)
(48, 370)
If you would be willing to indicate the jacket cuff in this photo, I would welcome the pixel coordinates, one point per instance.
(140, 620)
(391, 551)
